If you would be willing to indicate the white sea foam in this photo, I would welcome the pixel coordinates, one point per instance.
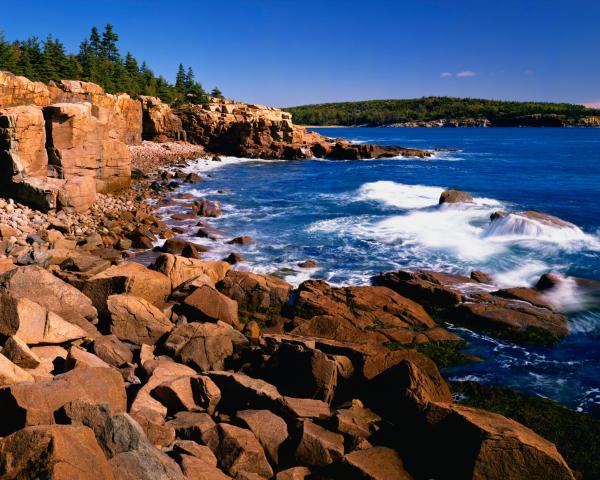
(521, 276)
(399, 195)
(514, 227)
(207, 164)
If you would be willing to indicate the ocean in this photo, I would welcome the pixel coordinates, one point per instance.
(359, 218)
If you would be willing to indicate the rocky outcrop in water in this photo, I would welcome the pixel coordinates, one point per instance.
(255, 131)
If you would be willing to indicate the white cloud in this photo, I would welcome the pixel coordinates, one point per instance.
(445, 74)
(466, 73)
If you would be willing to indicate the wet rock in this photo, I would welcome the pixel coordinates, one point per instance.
(176, 246)
(233, 258)
(308, 264)
(206, 231)
(136, 320)
(455, 196)
(206, 208)
(481, 277)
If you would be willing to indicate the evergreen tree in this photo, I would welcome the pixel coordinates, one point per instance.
(215, 92)
(189, 80)
(8, 55)
(108, 45)
(95, 42)
(180, 79)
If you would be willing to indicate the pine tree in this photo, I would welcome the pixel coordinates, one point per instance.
(95, 42)
(215, 92)
(8, 55)
(189, 80)
(109, 49)
(180, 79)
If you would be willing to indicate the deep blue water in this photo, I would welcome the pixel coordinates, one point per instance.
(357, 218)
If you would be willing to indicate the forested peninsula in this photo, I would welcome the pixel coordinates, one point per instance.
(445, 112)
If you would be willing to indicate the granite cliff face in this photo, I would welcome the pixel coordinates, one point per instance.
(63, 142)
(256, 131)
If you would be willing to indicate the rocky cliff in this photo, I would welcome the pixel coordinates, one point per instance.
(63, 142)
(256, 131)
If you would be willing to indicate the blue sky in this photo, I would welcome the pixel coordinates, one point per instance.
(283, 52)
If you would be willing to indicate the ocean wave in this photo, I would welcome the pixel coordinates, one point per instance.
(400, 195)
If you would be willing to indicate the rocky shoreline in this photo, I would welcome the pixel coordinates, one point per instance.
(188, 368)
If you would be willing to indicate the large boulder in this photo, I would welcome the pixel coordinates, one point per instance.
(26, 404)
(136, 320)
(40, 286)
(258, 296)
(208, 304)
(205, 346)
(318, 446)
(59, 452)
(455, 196)
(180, 269)
(123, 441)
(270, 430)
(129, 278)
(238, 450)
(10, 373)
(377, 463)
(34, 324)
(491, 447)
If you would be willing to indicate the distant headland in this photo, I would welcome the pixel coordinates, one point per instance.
(445, 112)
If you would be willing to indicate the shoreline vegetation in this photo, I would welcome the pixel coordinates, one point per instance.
(445, 112)
(201, 370)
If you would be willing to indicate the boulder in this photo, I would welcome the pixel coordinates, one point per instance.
(205, 346)
(28, 404)
(197, 468)
(11, 373)
(114, 352)
(123, 441)
(196, 426)
(356, 420)
(295, 408)
(176, 394)
(270, 430)
(43, 288)
(80, 358)
(318, 447)
(206, 393)
(180, 269)
(206, 208)
(491, 447)
(129, 278)
(208, 304)
(239, 391)
(160, 372)
(294, 473)
(60, 452)
(238, 450)
(455, 196)
(136, 320)
(17, 351)
(255, 293)
(377, 463)
(34, 324)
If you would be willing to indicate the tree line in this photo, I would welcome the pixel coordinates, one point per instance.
(99, 61)
(384, 112)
